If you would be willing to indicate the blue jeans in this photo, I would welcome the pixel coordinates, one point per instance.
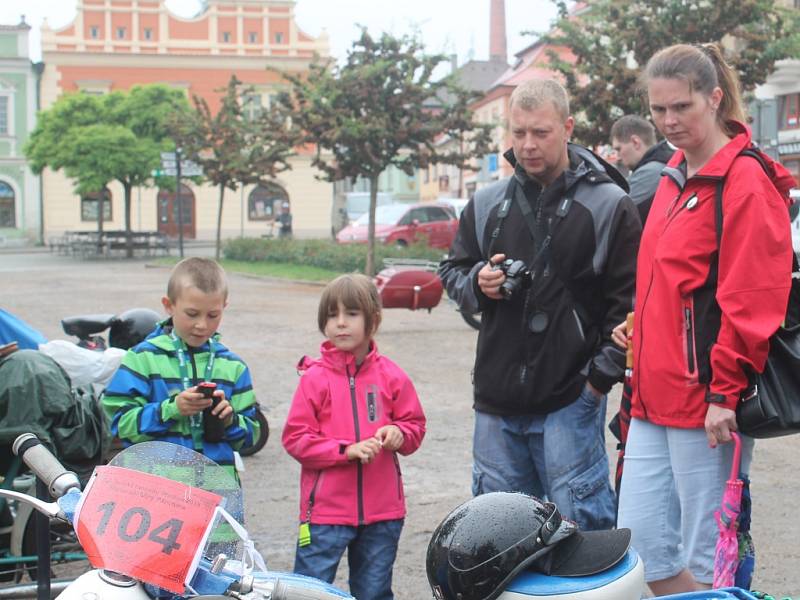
(560, 457)
(371, 550)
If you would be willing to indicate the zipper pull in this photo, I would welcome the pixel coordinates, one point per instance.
(672, 205)
(352, 382)
(687, 318)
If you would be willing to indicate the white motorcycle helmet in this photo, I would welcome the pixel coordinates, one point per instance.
(510, 546)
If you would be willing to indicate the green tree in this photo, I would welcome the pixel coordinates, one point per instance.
(613, 39)
(370, 113)
(99, 139)
(232, 149)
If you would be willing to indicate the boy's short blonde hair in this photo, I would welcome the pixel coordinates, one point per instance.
(203, 273)
(354, 291)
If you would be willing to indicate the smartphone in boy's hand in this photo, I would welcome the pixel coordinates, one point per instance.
(213, 427)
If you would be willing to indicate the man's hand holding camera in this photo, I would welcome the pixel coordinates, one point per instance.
(490, 278)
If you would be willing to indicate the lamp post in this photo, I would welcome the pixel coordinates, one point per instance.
(178, 199)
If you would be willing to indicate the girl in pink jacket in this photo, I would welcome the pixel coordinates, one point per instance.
(353, 412)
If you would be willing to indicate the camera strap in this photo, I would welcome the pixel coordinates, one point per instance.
(542, 253)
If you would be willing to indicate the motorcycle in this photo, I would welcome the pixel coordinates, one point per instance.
(124, 331)
(414, 284)
(160, 521)
(144, 519)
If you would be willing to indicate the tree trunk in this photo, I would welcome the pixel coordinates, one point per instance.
(128, 240)
(461, 168)
(100, 206)
(373, 202)
(219, 220)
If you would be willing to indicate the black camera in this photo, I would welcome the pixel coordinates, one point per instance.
(518, 277)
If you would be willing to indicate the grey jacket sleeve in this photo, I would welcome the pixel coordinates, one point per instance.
(619, 276)
(459, 271)
(644, 181)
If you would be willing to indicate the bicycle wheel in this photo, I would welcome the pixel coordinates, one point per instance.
(67, 557)
(472, 319)
(263, 435)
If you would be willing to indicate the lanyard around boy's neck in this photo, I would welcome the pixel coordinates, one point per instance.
(196, 420)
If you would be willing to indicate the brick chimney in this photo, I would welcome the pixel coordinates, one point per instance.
(497, 32)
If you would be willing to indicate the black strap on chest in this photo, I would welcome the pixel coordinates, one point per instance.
(532, 222)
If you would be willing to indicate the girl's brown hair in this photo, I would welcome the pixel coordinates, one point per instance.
(704, 68)
(356, 292)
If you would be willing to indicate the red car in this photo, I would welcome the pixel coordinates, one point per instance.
(403, 224)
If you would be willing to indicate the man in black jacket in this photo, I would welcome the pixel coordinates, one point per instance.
(545, 359)
(634, 139)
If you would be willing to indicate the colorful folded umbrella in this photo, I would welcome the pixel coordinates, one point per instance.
(734, 557)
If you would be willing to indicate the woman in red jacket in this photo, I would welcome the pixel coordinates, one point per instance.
(703, 316)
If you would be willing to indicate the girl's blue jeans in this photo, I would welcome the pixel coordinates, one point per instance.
(371, 550)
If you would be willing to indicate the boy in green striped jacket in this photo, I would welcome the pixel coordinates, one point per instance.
(154, 395)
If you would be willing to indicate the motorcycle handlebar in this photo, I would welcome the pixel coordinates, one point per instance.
(285, 590)
(44, 465)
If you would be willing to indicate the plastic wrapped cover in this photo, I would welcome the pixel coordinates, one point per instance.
(36, 397)
(84, 367)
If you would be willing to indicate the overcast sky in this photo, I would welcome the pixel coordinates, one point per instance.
(448, 26)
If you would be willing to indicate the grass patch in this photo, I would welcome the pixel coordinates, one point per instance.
(266, 269)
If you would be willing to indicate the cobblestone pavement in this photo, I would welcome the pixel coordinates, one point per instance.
(271, 324)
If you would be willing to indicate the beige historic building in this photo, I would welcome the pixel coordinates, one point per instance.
(116, 44)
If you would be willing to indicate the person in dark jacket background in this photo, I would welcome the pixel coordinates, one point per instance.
(634, 140)
(544, 359)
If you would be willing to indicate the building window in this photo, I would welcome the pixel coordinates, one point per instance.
(253, 37)
(279, 38)
(148, 33)
(226, 36)
(251, 106)
(89, 204)
(3, 115)
(7, 212)
(94, 32)
(120, 33)
(791, 111)
(265, 202)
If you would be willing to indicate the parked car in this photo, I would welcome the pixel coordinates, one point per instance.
(457, 204)
(349, 207)
(794, 215)
(403, 224)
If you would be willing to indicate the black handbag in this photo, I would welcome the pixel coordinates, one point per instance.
(770, 406)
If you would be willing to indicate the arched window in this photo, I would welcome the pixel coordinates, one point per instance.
(7, 211)
(265, 201)
(89, 204)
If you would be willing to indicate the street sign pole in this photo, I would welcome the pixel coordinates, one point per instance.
(178, 200)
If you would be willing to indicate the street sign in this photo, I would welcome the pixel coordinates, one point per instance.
(188, 169)
(169, 163)
(168, 156)
(156, 173)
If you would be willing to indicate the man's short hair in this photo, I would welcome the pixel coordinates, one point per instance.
(630, 125)
(203, 273)
(535, 92)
